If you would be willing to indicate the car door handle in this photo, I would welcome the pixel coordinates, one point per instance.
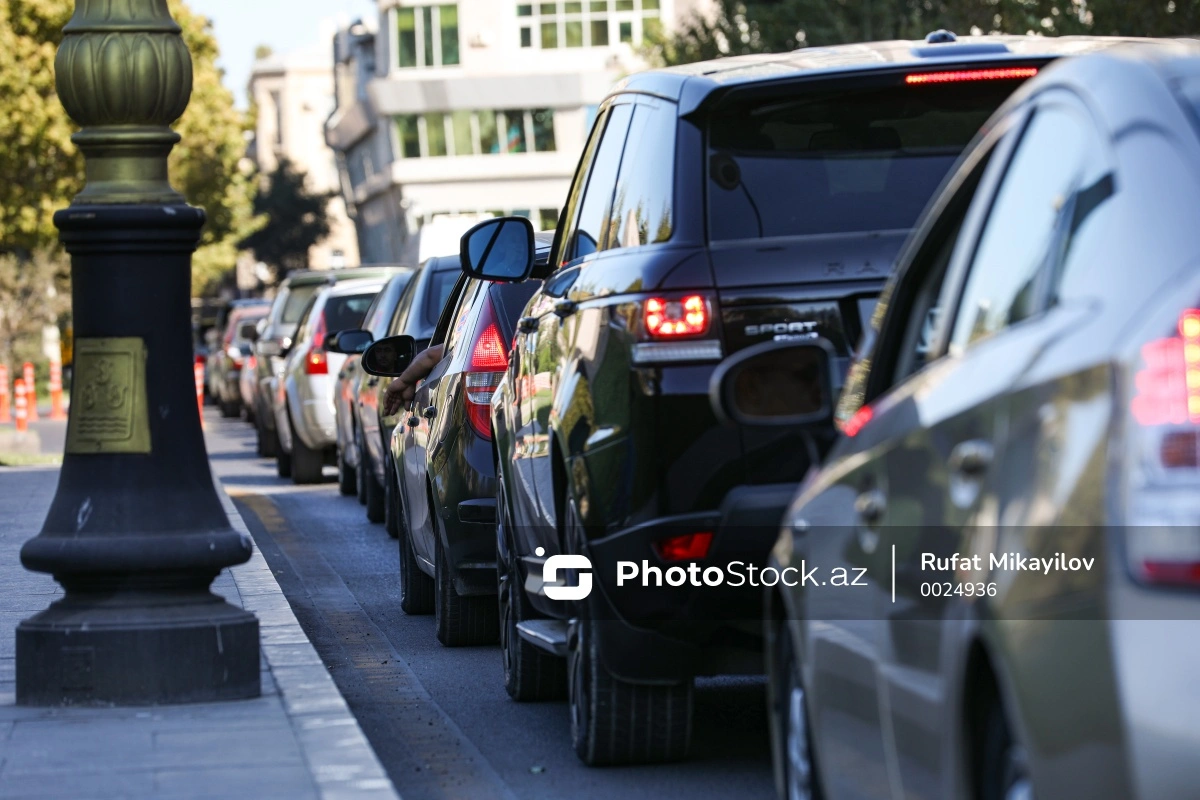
(970, 459)
(565, 308)
(527, 324)
(870, 507)
(429, 412)
(412, 422)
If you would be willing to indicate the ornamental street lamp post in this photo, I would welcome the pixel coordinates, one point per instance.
(136, 533)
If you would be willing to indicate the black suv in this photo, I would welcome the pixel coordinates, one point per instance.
(716, 206)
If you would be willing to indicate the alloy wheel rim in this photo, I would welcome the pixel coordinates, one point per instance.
(799, 761)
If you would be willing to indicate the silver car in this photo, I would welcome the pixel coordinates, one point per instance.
(992, 587)
(303, 401)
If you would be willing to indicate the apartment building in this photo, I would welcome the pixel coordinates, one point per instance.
(450, 111)
(293, 93)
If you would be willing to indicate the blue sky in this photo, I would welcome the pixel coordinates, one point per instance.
(242, 25)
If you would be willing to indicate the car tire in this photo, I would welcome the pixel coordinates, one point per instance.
(283, 461)
(1003, 771)
(230, 408)
(307, 464)
(267, 441)
(791, 731)
(364, 468)
(416, 588)
(347, 479)
(617, 722)
(460, 621)
(375, 499)
(391, 499)
(530, 674)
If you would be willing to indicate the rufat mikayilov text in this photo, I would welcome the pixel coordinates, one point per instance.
(1006, 562)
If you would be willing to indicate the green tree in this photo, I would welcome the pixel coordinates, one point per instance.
(293, 219)
(771, 26)
(29, 300)
(43, 169)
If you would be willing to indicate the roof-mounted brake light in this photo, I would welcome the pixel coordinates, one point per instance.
(966, 75)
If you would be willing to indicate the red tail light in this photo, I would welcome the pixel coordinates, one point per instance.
(964, 75)
(852, 426)
(688, 547)
(316, 363)
(1163, 462)
(667, 319)
(489, 360)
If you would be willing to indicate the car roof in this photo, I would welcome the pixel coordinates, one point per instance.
(363, 286)
(702, 78)
(309, 277)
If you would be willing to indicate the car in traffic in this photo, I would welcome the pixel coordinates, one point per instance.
(304, 398)
(444, 465)
(276, 336)
(365, 442)
(716, 206)
(1015, 488)
(235, 345)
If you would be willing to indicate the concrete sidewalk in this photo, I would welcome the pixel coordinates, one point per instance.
(299, 740)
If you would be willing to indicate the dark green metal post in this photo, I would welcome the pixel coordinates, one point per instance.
(136, 533)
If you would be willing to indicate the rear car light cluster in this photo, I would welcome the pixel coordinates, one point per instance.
(489, 360)
(675, 329)
(315, 363)
(688, 547)
(1163, 539)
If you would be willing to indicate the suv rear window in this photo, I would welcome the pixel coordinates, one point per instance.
(297, 299)
(345, 313)
(839, 160)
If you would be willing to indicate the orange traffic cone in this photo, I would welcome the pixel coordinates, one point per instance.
(56, 391)
(198, 371)
(19, 403)
(5, 413)
(30, 392)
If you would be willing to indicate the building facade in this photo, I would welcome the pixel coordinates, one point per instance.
(448, 111)
(294, 95)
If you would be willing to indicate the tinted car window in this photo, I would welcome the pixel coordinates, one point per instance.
(396, 324)
(1017, 246)
(837, 161)
(571, 210)
(297, 299)
(458, 326)
(644, 204)
(441, 284)
(346, 312)
(592, 225)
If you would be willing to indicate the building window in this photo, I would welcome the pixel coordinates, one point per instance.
(473, 133)
(594, 23)
(427, 36)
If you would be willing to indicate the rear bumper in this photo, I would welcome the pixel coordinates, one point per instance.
(652, 632)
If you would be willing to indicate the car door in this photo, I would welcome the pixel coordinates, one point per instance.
(419, 421)
(943, 473)
(586, 227)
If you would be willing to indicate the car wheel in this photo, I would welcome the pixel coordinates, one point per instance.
(347, 480)
(1003, 772)
(283, 461)
(460, 621)
(796, 773)
(230, 408)
(416, 588)
(307, 464)
(530, 674)
(364, 468)
(391, 499)
(617, 722)
(267, 441)
(374, 495)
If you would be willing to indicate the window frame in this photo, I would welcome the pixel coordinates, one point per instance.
(580, 200)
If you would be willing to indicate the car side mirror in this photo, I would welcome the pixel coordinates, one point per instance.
(248, 331)
(389, 357)
(785, 383)
(351, 342)
(499, 250)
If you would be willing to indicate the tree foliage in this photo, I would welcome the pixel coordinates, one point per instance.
(293, 219)
(31, 297)
(43, 169)
(770, 26)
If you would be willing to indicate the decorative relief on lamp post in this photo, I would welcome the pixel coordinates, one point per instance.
(108, 412)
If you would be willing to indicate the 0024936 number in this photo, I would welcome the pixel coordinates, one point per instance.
(951, 589)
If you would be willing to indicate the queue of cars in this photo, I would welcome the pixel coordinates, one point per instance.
(1003, 472)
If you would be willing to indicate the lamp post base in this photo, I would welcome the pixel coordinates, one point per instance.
(137, 648)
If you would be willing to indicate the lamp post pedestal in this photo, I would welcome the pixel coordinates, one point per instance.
(135, 533)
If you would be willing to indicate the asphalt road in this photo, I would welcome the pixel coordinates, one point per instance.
(439, 718)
